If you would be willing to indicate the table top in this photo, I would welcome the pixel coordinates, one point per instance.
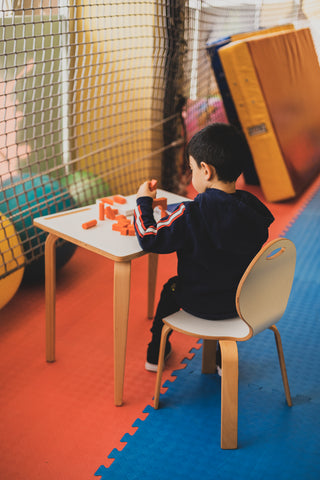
(101, 238)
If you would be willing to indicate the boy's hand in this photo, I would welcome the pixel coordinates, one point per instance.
(147, 189)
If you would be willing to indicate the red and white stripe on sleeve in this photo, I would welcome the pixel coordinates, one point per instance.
(154, 229)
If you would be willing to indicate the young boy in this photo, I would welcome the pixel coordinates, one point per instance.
(215, 236)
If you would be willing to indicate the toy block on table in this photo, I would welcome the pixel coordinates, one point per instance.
(108, 200)
(123, 225)
(117, 227)
(124, 231)
(111, 212)
(160, 202)
(101, 211)
(128, 230)
(119, 199)
(125, 206)
(121, 217)
(131, 230)
(90, 224)
(163, 212)
(123, 220)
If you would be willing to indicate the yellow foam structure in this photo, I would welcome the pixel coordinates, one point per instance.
(265, 31)
(11, 261)
(274, 82)
(118, 111)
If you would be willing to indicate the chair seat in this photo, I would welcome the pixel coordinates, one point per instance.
(231, 328)
(261, 299)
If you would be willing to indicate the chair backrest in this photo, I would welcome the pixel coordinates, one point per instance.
(264, 289)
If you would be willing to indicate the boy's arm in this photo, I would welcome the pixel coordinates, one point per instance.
(166, 236)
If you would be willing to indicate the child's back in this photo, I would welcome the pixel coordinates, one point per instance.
(215, 236)
(223, 232)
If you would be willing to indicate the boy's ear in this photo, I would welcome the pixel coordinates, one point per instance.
(208, 170)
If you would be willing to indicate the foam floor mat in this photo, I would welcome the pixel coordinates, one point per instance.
(181, 440)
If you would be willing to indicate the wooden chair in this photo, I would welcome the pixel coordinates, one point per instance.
(261, 300)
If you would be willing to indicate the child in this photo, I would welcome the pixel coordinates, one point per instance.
(215, 236)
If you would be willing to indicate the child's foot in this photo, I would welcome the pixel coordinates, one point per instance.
(153, 354)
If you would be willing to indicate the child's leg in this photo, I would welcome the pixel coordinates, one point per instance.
(166, 306)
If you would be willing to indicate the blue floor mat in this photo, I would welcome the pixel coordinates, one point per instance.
(181, 440)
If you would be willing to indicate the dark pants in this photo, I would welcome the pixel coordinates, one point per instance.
(166, 306)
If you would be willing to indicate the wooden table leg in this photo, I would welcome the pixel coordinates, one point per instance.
(152, 278)
(50, 295)
(121, 297)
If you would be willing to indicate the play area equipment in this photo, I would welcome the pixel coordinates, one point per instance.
(228, 102)
(113, 136)
(274, 82)
(23, 198)
(11, 261)
(213, 51)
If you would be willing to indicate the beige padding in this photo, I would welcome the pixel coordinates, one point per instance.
(197, 327)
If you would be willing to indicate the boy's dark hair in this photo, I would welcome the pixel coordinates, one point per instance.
(222, 146)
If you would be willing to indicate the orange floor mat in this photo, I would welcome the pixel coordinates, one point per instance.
(58, 420)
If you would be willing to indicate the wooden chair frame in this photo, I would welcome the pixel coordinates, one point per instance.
(275, 275)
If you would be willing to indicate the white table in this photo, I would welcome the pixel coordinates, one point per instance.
(102, 240)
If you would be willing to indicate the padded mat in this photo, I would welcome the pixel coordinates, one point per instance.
(181, 440)
(213, 51)
(274, 81)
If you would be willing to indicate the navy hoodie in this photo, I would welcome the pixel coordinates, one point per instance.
(215, 236)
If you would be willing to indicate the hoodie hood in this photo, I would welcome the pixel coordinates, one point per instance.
(235, 222)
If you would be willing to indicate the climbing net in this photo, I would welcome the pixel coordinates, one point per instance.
(97, 96)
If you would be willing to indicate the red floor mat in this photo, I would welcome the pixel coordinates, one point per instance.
(58, 420)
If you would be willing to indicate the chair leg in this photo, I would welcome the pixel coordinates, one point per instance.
(229, 394)
(282, 364)
(164, 335)
(209, 350)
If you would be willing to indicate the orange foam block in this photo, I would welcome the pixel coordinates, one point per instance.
(107, 200)
(111, 213)
(153, 184)
(131, 230)
(121, 223)
(121, 217)
(90, 224)
(117, 227)
(101, 211)
(128, 230)
(119, 199)
(163, 212)
(123, 220)
(160, 202)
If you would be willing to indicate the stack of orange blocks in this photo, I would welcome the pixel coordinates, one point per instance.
(123, 224)
(162, 204)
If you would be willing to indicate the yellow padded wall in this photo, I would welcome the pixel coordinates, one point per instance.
(118, 112)
(274, 81)
(255, 120)
(289, 74)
